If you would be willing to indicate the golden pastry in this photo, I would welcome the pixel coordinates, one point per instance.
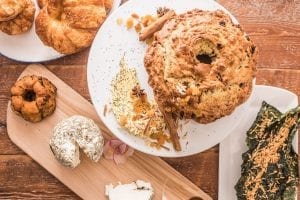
(69, 25)
(33, 98)
(22, 22)
(107, 4)
(9, 9)
(201, 65)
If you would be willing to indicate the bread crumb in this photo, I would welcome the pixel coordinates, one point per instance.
(123, 120)
(119, 21)
(147, 20)
(130, 23)
(134, 15)
(138, 27)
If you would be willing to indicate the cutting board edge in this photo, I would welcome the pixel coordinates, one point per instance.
(15, 141)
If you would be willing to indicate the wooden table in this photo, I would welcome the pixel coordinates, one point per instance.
(273, 25)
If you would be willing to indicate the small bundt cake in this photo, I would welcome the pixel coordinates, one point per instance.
(33, 98)
(70, 25)
(9, 9)
(201, 66)
(22, 22)
(73, 133)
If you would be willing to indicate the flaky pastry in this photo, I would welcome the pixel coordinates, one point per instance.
(69, 25)
(22, 22)
(9, 9)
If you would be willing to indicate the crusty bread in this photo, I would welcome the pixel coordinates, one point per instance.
(201, 65)
(69, 25)
(22, 22)
(9, 9)
(42, 3)
(108, 5)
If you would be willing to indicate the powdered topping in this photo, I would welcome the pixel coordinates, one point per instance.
(132, 109)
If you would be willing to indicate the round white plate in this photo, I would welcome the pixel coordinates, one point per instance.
(112, 43)
(28, 47)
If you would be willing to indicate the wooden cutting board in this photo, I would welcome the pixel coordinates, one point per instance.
(88, 180)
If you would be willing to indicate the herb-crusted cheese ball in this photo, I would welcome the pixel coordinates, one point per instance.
(73, 133)
(201, 65)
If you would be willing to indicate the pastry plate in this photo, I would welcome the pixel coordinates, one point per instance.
(114, 41)
(27, 47)
(232, 148)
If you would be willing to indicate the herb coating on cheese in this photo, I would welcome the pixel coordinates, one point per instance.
(73, 133)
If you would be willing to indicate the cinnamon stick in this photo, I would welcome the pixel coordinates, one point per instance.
(157, 25)
(172, 129)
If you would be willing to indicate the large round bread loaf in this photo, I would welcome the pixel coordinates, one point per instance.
(201, 65)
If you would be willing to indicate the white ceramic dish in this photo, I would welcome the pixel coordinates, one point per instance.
(232, 148)
(27, 47)
(112, 43)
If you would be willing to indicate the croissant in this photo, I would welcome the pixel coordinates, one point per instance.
(69, 26)
(20, 22)
(9, 9)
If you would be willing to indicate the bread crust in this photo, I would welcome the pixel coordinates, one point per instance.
(20, 23)
(201, 65)
(69, 26)
(108, 5)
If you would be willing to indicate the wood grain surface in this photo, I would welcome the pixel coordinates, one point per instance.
(273, 25)
(88, 180)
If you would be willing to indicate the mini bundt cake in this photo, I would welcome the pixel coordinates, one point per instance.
(22, 22)
(201, 66)
(73, 133)
(70, 25)
(9, 9)
(33, 98)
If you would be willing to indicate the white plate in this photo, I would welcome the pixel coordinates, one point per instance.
(112, 42)
(232, 148)
(28, 47)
